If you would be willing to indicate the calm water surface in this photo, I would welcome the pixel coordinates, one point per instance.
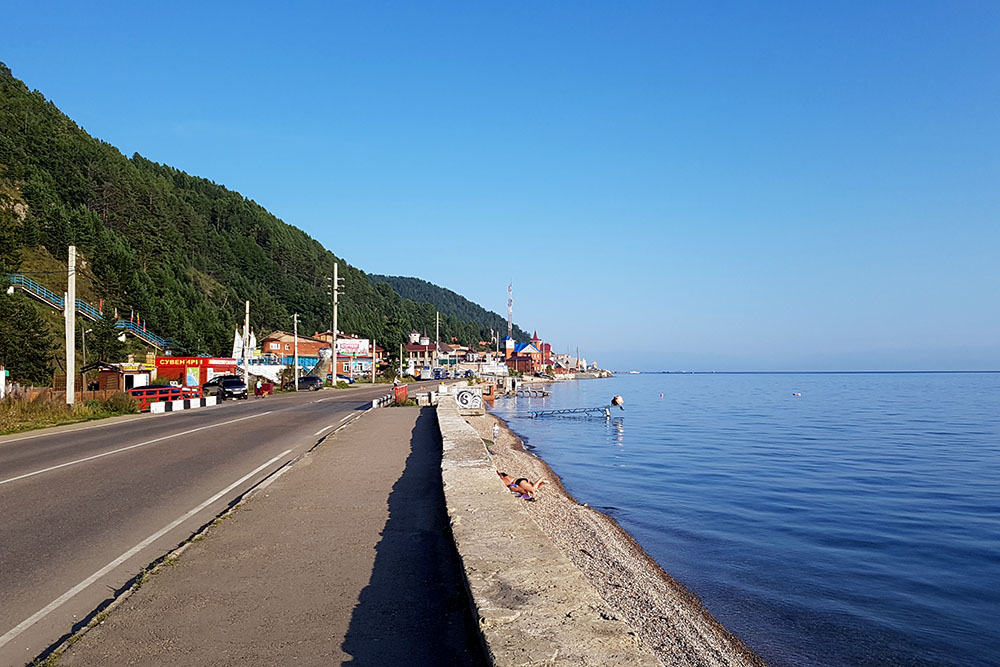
(856, 524)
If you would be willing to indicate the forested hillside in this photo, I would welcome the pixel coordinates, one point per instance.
(449, 303)
(181, 250)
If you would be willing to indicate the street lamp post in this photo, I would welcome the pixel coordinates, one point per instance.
(84, 337)
(83, 374)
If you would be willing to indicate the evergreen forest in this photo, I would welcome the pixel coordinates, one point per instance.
(449, 303)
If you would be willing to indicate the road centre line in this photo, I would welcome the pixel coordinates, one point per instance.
(125, 449)
(59, 601)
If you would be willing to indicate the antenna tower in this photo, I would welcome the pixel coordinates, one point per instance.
(510, 310)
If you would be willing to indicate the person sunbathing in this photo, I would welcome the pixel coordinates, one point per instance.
(521, 486)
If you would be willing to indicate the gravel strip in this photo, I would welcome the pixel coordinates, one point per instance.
(668, 617)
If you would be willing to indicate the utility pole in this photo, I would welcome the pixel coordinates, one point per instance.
(373, 361)
(246, 343)
(437, 336)
(69, 310)
(336, 303)
(335, 295)
(295, 376)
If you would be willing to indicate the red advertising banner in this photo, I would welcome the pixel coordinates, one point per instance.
(400, 394)
(168, 362)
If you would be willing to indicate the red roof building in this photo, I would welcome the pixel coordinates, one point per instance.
(282, 344)
(421, 355)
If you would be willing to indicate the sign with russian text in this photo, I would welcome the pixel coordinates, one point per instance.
(174, 362)
(354, 346)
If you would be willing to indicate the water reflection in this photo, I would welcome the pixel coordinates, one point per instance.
(617, 427)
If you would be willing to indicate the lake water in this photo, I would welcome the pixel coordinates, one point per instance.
(856, 524)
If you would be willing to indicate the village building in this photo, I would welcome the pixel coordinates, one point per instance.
(420, 351)
(123, 376)
(192, 371)
(531, 357)
(448, 355)
(544, 348)
(522, 357)
(279, 348)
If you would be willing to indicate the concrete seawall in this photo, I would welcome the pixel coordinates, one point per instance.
(532, 603)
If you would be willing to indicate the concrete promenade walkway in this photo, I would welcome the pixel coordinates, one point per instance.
(345, 558)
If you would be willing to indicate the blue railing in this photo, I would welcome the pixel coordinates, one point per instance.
(51, 298)
(147, 336)
(42, 292)
(86, 309)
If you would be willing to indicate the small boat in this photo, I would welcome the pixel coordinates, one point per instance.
(633, 372)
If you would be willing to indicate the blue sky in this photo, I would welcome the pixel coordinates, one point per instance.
(696, 186)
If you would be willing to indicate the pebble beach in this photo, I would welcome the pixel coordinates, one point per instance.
(665, 615)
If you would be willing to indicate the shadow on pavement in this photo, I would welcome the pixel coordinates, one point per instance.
(415, 610)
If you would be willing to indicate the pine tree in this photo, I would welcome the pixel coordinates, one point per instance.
(25, 341)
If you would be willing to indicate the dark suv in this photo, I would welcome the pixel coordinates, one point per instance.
(225, 387)
(309, 382)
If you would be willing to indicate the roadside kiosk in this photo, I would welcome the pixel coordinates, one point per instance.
(192, 371)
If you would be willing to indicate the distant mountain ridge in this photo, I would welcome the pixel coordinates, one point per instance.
(449, 303)
(182, 251)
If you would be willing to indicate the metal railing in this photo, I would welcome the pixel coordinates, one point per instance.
(36, 290)
(87, 310)
(138, 332)
(47, 296)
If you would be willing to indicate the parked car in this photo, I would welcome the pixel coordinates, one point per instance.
(211, 387)
(308, 382)
(345, 378)
(227, 386)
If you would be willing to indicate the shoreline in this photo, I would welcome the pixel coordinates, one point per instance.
(667, 617)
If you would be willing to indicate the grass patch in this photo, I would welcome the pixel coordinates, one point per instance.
(47, 409)
(407, 403)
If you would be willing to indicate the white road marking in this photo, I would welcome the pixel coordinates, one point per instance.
(347, 417)
(75, 430)
(62, 599)
(325, 428)
(125, 449)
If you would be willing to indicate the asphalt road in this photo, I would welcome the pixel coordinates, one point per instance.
(85, 509)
